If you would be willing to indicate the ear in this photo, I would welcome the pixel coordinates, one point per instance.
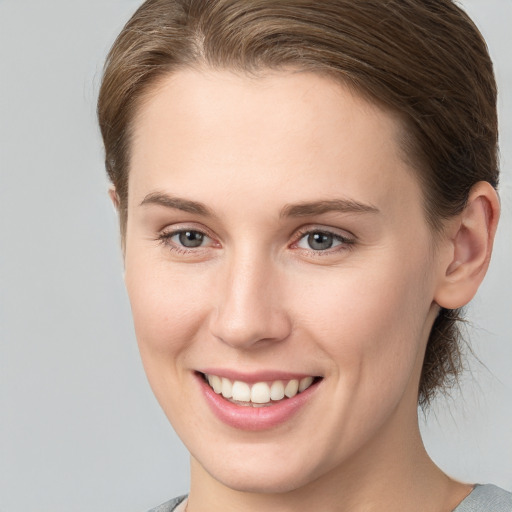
(114, 197)
(471, 236)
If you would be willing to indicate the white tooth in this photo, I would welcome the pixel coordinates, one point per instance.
(305, 383)
(227, 388)
(260, 393)
(291, 388)
(277, 390)
(215, 383)
(241, 391)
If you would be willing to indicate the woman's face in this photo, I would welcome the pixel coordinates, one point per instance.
(276, 238)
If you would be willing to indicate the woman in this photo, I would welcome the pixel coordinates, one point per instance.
(307, 198)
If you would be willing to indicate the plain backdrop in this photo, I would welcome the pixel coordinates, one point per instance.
(79, 427)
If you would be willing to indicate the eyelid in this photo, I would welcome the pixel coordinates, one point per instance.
(179, 227)
(316, 228)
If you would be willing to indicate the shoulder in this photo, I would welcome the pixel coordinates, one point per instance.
(168, 506)
(486, 498)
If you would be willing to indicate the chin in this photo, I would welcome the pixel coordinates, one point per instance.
(261, 482)
(260, 476)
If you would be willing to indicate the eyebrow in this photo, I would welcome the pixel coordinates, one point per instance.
(177, 203)
(320, 207)
(290, 210)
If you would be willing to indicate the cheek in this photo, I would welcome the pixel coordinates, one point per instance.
(371, 323)
(168, 313)
(168, 306)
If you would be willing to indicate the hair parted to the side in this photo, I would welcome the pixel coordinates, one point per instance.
(423, 59)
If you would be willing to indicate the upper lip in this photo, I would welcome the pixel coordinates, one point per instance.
(255, 376)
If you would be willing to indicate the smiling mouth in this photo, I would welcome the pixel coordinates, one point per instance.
(258, 394)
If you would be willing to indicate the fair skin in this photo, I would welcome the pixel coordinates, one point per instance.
(307, 255)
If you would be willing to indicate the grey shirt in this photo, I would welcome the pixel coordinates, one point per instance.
(483, 498)
(486, 498)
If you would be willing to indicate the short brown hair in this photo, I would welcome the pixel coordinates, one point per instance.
(423, 59)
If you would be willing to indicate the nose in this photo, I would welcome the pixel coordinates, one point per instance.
(250, 309)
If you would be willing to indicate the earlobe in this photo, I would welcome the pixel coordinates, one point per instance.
(114, 196)
(472, 237)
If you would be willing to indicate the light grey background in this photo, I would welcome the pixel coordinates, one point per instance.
(79, 427)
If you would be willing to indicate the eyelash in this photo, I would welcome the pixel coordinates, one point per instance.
(165, 237)
(345, 243)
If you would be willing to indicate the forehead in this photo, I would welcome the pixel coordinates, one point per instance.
(297, 132)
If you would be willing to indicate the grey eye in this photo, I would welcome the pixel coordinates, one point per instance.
(320, 241)
(190, 239)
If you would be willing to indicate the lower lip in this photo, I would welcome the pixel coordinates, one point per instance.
(254, 418)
